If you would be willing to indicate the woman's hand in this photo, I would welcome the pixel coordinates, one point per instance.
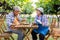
(39, 21)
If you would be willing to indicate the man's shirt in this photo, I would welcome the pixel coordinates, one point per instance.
(10, 18)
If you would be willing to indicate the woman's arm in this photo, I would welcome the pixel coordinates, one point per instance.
(45, 21)
(37, 21)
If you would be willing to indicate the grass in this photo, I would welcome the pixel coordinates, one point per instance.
(15, 36)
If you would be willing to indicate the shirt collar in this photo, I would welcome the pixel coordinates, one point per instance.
(13, 14)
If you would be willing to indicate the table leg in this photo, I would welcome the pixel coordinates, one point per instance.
(55, 38)
(0, 38)
(24, 31)
(28, 34)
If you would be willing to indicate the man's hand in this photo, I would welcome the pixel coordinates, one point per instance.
(24, 19)
(16, 22)
(13, 27)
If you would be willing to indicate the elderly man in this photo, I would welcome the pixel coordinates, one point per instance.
(14, 18)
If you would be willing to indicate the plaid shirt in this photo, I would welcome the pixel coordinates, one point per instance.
(10, 18)
(43, 19)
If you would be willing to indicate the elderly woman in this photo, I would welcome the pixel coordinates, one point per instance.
(42, 22)
(14, 18)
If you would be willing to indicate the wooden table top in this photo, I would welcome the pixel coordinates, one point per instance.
(57, 29)
(26, 26)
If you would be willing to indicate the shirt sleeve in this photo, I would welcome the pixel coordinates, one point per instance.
(19, 17)
(36, 20)
(8, 20)
(45, 21)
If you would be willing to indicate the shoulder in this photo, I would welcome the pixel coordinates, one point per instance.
(36, 16)
(44, 16)
(10, 14)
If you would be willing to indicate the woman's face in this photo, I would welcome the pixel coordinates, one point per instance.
(38, 12)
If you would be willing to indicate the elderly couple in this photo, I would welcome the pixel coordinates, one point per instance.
(40, 20)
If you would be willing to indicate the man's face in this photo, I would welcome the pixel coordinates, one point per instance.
(16, 13)
(38, 12)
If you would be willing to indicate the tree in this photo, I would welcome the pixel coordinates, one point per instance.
(24, 4)
(49, 6)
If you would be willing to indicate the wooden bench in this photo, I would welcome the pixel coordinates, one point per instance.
(4, 35)
(54, 31)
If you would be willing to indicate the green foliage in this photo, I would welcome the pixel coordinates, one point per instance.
(27, 8)
(48, 5)
(24, 4)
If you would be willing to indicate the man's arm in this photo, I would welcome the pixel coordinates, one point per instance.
(19, 17)
(8, 20)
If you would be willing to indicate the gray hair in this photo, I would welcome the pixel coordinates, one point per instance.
(16, 8)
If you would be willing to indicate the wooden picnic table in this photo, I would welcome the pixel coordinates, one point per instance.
(30, 27)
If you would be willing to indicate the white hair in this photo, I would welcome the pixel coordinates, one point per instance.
(17, 8)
